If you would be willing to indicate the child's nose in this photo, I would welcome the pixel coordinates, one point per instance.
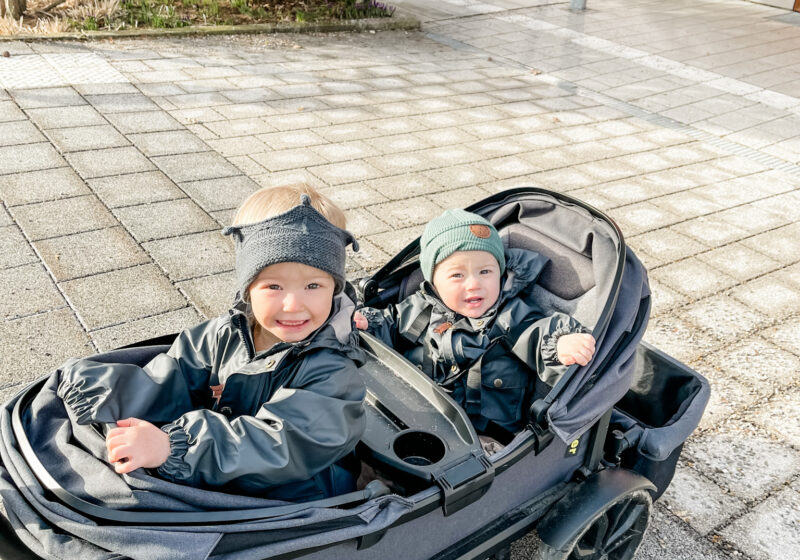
(472, 282)
(291, 302)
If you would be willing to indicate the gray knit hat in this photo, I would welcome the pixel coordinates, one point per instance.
(458, 230)
(300, 234)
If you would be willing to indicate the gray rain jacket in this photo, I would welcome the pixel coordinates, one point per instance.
(251, 421)
(478, 360)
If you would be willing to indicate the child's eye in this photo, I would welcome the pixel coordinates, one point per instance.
(273, 287)
(312, 286)
(486, 271)
(456, 275)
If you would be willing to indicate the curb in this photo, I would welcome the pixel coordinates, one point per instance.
(393, 23)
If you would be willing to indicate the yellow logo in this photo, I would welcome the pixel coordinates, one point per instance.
(573, 447)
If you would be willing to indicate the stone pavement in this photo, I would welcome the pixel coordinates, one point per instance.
(120, 161)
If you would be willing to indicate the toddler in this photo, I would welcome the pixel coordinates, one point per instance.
(474, 327)
(265, 398)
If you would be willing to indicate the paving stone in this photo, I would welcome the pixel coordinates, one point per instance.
(641, 217)
(392, 242)
(361, 223)
(693, 278)
(739, 261)
(679, 338)
(755, 362)
(241, 127)
(407, 212)
(239, 146)
(698, 501)
(393, 164)
(771, 530)
(194, 255)
(369, 258)
(38, 98)
(121, 296)
(288, 159)
(666, 245)
(221, 194)
(172, 322)
(731, 458)
(689, 204)
(751, 218)
(459, 198)
(291, 139)
(785, 335)
(404, 186)
(10, 112)
(28, 157)
(62, 117)
(122, 103)
(778, 417)
(158, 220)
(62, 217)
(289, 177)
(668, 539)
(723, 317)
(37, 186)
(195, 167)
(212, 295)
(167, 142)
(345, 151)
(28, 289)
(346, 172)
(107, 89)
(20, 132)
(36, 344)
(198, 115)
(86, 138)
(769, 295)
(134, 188)
(711, 230)
(664, 299)
(146, 121)
(108, 162)
(91, 252)
(782, 244)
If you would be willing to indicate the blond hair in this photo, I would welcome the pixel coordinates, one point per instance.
(271, 201)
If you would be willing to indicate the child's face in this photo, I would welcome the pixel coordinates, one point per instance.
(468, 282)
(291, 300)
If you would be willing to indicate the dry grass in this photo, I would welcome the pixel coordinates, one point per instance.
(37, 26)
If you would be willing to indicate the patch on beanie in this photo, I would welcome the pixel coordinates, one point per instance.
(481, 231)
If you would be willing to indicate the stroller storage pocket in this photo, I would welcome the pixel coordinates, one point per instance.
(655, 417)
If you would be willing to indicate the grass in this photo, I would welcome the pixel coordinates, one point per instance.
(93, 15)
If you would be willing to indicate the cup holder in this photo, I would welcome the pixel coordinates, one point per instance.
(419, 448)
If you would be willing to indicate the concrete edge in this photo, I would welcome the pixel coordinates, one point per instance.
(393, 23)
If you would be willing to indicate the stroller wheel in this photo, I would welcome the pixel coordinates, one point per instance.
(614, 533)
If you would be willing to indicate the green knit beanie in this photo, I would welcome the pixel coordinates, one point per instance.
(458, 230)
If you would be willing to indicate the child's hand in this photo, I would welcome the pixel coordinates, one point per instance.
(136, 444)
(576, 348)
(360, 321)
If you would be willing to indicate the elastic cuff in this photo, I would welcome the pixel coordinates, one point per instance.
(81, 406)
(175, 468)
(550, 346)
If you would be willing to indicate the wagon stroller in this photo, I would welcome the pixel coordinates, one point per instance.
(598, 447)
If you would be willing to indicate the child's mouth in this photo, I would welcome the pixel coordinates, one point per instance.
(474, 301)
(292, 324)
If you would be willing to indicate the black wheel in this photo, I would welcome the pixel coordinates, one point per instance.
(613, 534)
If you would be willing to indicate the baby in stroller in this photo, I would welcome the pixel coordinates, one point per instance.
(228, 404)
(472, 318)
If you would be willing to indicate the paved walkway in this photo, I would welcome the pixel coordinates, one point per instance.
(119, 162)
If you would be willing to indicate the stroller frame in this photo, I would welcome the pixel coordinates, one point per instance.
(594, 494)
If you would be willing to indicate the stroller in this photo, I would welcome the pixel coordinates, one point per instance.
(599, 446)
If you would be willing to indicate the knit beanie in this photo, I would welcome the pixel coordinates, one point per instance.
(458, 230)
(301, 235)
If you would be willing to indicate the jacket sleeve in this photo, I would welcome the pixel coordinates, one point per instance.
(168, 386)
(537, 345)
(297, 433)
(382, 323)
